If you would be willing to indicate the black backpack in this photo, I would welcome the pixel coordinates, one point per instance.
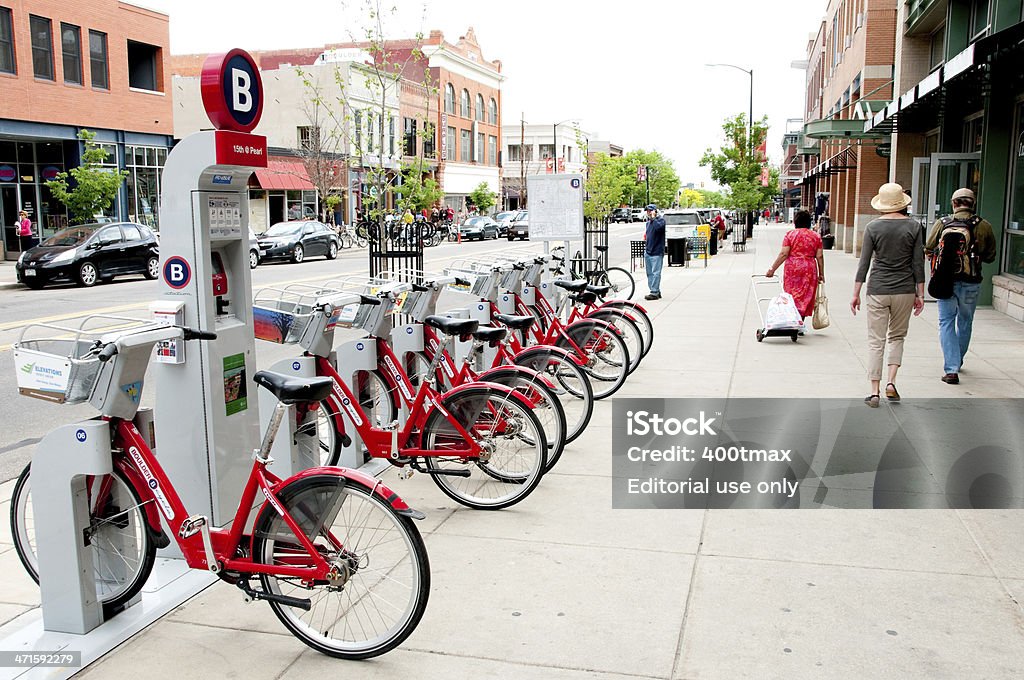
(954, 254)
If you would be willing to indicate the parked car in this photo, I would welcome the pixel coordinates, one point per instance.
(89, 253)
(519, 227)
(478, 227)
(638, 215)
(503, 219)
(621, 215)
(254, 250)
(682, 222)
(298, 240)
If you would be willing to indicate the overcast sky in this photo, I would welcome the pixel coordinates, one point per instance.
(635, 75)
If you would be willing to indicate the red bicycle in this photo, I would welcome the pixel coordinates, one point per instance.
(334, 551)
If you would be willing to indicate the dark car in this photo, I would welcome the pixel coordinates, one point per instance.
(621, 215)
(89, 253)
(254, 250)
(478, 227)
(298, 240)
(519, 227)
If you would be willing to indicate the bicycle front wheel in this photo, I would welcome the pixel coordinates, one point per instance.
(382, 577)
(621, 281)
(122, 551)
(628, 330)
(637, 315)
(605, 353)
(514, 448)
(567, 380)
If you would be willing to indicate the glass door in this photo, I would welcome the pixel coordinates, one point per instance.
(949, 172)
(9, 205)
(919, 188)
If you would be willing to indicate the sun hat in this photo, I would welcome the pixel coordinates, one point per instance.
(963, 193)
(890, 198)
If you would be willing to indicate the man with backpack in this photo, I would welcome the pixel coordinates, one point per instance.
(958, 245)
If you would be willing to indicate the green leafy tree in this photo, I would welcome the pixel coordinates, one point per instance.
(736, 165)
(483, 198)
(691, 198)
(95, 187)
(606, 182)
(417, 191)
(664, 182)
(713, 199)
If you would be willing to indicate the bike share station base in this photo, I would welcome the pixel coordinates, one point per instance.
(206, 426)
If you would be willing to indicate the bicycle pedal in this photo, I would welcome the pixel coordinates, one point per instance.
(192, 526)
(406, 473)
(200, 524)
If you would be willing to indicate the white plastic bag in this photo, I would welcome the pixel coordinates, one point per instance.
(782, 314)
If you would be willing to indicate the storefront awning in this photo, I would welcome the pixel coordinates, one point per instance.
(282, 175)
(840, 162)
(961, 78)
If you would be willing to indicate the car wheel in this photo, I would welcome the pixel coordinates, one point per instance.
(298, 255)
(254, 259)
(511, 237)
(88, 275)
(152, 267)
(332, 251)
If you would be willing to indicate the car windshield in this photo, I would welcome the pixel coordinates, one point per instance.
(682, 218)
(521, 215)
(72, 236)
(284, 229)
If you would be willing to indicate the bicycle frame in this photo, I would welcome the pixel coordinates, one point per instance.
(220, 554)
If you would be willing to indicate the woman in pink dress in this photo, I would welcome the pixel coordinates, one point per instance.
(805, 263)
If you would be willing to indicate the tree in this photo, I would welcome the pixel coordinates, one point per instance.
(417, 191)
(691, 198)
(95, 187)
(606, 182)
(713, 199)
(661, 176)
(482, 197)
(734, 166)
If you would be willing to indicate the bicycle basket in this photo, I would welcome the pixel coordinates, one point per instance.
(56, 370)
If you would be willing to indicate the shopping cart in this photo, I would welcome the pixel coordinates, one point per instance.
(791, 324)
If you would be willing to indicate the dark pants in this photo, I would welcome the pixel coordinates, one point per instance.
(27, 242)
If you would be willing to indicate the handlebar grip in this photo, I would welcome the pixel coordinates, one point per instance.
(420, 289)
(519, 267)
(369, 300)
(461, 282)
(195, 334)
(557, 258)
(108, 352)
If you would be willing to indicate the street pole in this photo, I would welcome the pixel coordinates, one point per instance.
(554, 148)
(750, 137)
(647, 179)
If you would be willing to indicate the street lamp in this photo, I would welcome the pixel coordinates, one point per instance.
(554, 142)
(750, 113)
(750, 126)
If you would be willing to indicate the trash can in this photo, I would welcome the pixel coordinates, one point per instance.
(828, 242)
(675, 248)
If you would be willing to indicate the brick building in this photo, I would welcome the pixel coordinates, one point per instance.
(849, 76)
(65, 67)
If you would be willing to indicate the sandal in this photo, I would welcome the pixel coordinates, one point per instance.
(871, 400)
(890, 392)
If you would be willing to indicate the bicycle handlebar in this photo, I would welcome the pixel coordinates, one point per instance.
(108, 352)
(110, 349)
(193, 334)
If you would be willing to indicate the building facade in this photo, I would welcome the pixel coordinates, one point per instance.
(958, 120)
(66, 67)
(849, 75)
(537, 149)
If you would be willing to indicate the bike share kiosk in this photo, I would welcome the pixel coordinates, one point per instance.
(206, 412)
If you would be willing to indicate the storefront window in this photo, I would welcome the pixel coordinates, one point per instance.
(143, 184)
(1014, 262)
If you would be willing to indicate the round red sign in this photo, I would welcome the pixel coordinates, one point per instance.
(232, 91)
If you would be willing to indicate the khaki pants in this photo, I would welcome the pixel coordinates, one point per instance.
(888, 319)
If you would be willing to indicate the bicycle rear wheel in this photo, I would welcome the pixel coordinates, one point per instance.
(123, 552)
(515, 449)
(628, 330)
(638, 315)
(604, 351)
(542, 399)
(621, 281)
(380, 590)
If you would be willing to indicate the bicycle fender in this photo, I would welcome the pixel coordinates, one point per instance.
(467, 387)
(368, 482)
(618, 304)
(538, 351)
(499, 373)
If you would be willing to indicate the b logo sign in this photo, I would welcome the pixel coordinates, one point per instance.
(177, 272)
(232, 91)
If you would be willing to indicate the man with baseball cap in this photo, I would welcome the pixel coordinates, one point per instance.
(956, 313)
(654, 253)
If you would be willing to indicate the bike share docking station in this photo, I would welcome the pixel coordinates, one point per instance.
(206, 424)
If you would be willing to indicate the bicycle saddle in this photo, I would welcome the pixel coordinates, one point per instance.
(574, 286)
(601, 249)
(289, 390)
(585, 298)
(450, 326)
(490, 334)
(599, 291)
(516, 323)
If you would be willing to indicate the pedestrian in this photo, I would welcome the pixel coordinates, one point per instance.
(958, 245)
(24, 230)
(894, 254)
(805, 263)
(654, 252)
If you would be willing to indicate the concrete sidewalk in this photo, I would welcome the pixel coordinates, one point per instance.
(563, 587)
